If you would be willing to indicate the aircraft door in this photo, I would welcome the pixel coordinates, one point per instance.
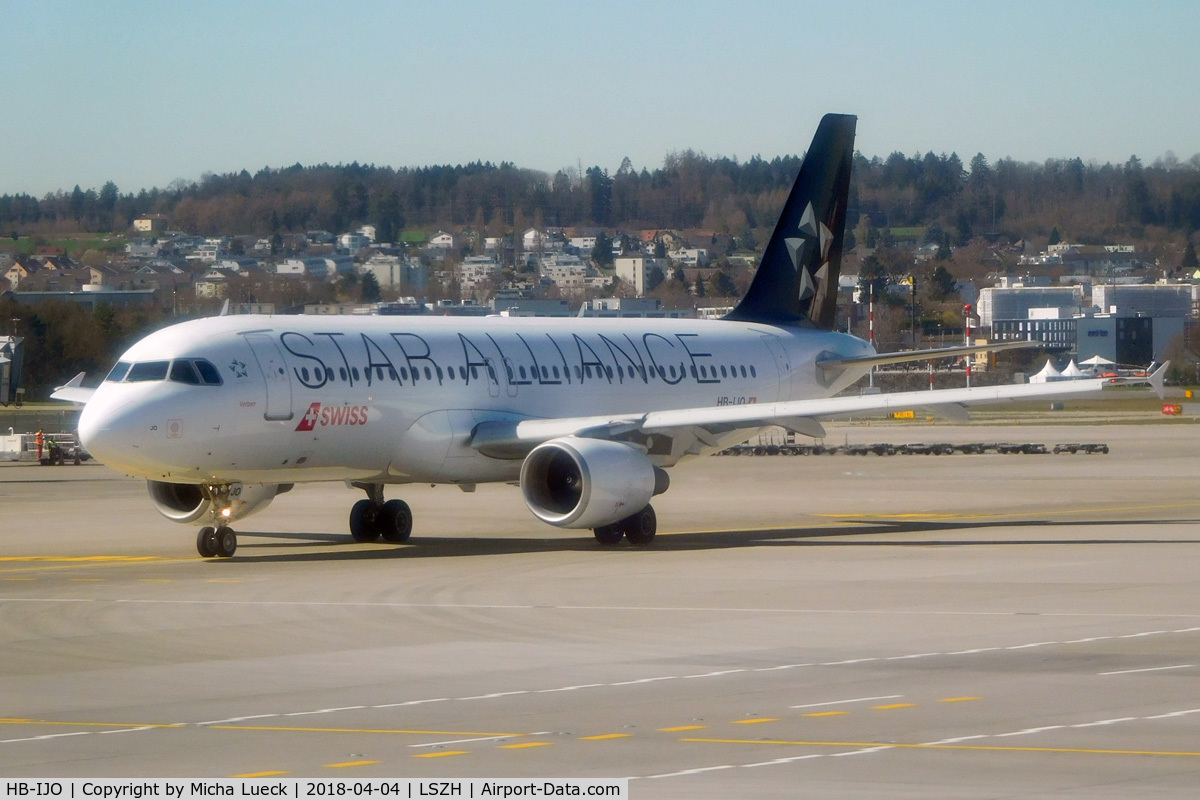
(511, 375)
(783, 364)
(493, 378)
(275, 374)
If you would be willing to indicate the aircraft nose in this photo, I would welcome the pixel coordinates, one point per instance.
(111, 432)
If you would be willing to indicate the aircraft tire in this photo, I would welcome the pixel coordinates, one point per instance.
(364, 516)
(395, 521)
(609, 535)
(641, 527)
(206, 541)
(226, 542)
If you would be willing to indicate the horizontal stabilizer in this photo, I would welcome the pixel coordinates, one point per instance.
(834, 366)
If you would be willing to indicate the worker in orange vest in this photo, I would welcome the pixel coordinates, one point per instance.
(38, 438)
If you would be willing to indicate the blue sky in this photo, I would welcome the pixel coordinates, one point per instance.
(143, 93)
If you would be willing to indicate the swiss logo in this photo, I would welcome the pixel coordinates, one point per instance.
(319, 416)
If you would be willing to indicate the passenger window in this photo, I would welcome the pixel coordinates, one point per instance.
(184, 372)
(148, 371)
(743, 370)
(724, 374)
(208, 373)
(753, 374)
(117, 373)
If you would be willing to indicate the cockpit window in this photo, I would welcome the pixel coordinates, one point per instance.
(148, 371)
(208, 373)
(117, 373)
(184, 372)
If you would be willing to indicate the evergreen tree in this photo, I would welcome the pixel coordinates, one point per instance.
(699, 289)
(368, 290)
(1055, 236)
(654, 278)
(602, 252)
(1189, 257)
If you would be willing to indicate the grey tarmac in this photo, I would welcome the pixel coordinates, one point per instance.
(962, 626)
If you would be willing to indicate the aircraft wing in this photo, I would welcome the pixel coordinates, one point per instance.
(513, 438)
(73, 391)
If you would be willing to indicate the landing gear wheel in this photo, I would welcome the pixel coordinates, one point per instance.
(206, 541)
(394, 521)
(226, 542)
(609, 535)
(363, 518)
(640, 528)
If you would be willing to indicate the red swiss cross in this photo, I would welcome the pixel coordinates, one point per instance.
(310, 418)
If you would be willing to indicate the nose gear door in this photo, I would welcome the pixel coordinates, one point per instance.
(275, 374)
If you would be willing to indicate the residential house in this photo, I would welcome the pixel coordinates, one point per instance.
(441, 241)
(150, 223)
(689, 256)
(214, 283)
(353, 242)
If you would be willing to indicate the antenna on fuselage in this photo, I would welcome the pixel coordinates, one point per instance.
(224, 308)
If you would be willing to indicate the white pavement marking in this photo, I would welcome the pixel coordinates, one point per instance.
(1030, 730)
(405, 703)
(861, 752)
(323, 711)
(691, 771)
(1098, 723)
(854, 700)
(1146, 669)
(461, 741)
(958, 739)
(234, 719)
(1176, 714)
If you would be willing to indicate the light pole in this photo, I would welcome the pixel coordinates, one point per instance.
(967, 336)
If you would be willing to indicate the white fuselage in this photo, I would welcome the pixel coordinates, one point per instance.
(395, 399)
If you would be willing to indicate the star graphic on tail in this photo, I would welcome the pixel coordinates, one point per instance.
(811, 231)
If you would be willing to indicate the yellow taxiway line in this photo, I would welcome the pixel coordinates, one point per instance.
(979, 747)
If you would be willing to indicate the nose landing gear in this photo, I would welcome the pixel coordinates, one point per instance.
(220, 541)
(373, 518)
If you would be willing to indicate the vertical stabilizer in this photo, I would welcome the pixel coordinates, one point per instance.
(797, 278)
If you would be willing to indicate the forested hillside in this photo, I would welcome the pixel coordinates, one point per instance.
(1086, 202)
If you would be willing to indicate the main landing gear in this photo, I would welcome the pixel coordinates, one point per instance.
(220, 541)
(639, 529)
(373, 518)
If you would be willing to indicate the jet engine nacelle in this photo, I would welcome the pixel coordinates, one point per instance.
(189, 502)
(586, 483)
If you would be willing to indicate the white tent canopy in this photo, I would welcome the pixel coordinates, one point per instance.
(1046, 374)
(1096, 361)
(1072, 370)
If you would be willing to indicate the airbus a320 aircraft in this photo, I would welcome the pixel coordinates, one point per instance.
(221, 415)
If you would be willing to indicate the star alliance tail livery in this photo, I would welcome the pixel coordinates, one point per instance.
(221, 415)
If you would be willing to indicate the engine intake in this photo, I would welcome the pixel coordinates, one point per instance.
(179, 502)
(586, 483)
